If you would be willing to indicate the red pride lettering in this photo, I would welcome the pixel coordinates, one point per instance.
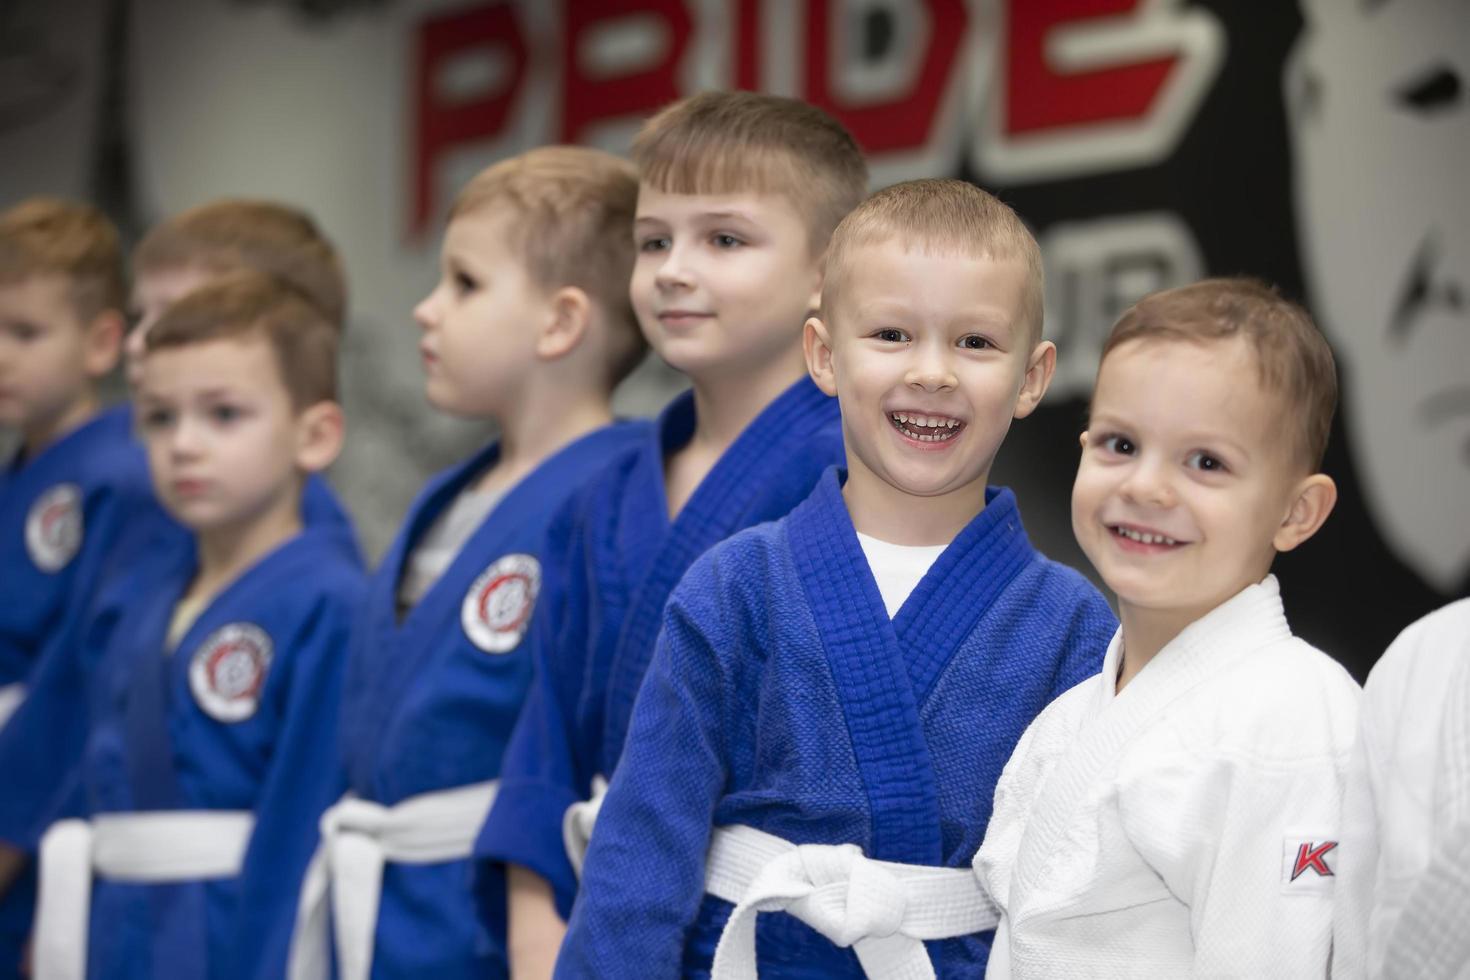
(1064, 87)
(1039, 96)
(905, 120)
(588, 98)
(442, 121)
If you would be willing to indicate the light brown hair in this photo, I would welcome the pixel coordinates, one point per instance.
(938, 215)
(50, 236)
(1292, 356)
(227, 235)
(247, 303)
(571, 216)
(731, 142)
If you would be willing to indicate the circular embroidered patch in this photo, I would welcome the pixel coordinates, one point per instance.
(497, 608)
(54, 527)
(228, 671)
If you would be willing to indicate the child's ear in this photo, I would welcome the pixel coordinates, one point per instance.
(1040, 366)
(819, 270)
(568, 321)
(1312, 500)
(816, 343)
(320, 429)
(103, 343)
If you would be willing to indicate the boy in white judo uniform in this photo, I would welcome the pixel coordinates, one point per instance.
(1403, 900)
(1178, 814)
(834, 694)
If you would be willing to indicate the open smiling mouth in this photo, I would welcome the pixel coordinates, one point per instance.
(1143, 537)
(926, 428)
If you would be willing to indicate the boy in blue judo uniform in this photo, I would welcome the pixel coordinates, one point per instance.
(76, 481)
(529, 328)
(76, 478)
(214, 667)
(42, 745)
(834, 695)
(738, 195)
(190, 249)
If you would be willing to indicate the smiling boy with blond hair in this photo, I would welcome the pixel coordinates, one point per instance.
(833, 694)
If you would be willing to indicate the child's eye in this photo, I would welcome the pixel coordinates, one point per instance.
(225, 414)
(723, 240)
(1206, 462)
(891, 335)
(156, 419)
(1119, 444)
(23, 332)
(653, 243)
(975, 342)
(465, 283)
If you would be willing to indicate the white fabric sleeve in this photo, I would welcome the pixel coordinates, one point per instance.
(1431, 938)
(1226, 833)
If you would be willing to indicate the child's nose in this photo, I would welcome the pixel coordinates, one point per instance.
(184, 439)
(931, 371)
(674, 270)
(426, 313)
(1148, 484)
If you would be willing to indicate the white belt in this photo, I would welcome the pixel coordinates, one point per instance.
(11, 696)
(884, 911)
(141, 848)
(358, 838)
(577, 823)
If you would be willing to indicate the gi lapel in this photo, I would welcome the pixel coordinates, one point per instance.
(152, 776)
(719, 507)
(960, 587)
(1241, 625)
(871, 677)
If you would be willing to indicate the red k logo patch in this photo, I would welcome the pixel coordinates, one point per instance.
(1308, 863)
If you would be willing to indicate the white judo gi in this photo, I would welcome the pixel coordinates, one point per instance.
(1407, 808)
(1185, 826)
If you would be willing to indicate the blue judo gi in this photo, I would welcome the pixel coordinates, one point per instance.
(241, 715)
(431, 699)
(782, 697)
(62, 517)
(118, 525)
(620, 556)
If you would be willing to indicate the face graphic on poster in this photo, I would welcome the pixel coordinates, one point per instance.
(1380, 120)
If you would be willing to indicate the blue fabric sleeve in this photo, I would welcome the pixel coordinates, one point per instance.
(41, 746)
(1089, 631)
(541, 774)
(644, 878)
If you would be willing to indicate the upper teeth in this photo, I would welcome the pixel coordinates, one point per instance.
(928, 421)
(1145, 538)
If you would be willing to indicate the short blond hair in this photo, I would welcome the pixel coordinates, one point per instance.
(233, 234)
(938, 215)
(50, 236)
(247, 303)
(1292, 357)
(571, 216)
(731, 142)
